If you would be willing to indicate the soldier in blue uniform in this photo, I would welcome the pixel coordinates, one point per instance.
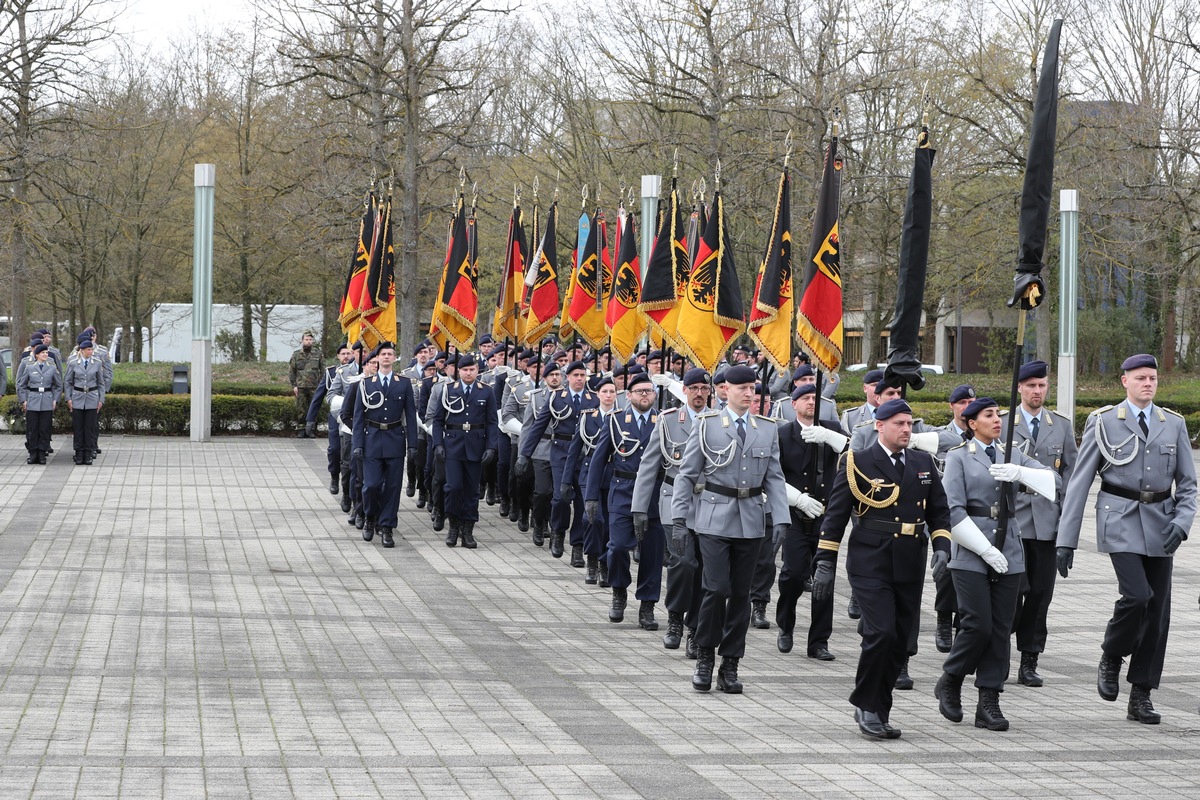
(333, 452)
(592, 425)
(464, 436)
(560, 416)
(370, 366)
(1140, 450)
(622, 443)
(892, 494)
(385, 428)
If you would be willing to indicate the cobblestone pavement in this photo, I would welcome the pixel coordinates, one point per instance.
(188, 620)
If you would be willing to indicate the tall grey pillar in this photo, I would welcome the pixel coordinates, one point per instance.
(1068, 303)
(202, 288)
(651, 188)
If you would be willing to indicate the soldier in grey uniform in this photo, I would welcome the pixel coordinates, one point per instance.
(38, 390)
(543, 481)
(1139, 450)
(345, 379)
(728, 480)
(436, 468)
(986, 572)
(803, 376)
(512, 415)
(853, 417)
(1049, 438)
(85, 389)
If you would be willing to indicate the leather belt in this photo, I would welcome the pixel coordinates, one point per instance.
(669, 480)
(1134, 494)
(84, 389)
(741, 494)
(466, 427)
(991, 512)
(891, 526)
(385, 426)
(38, 389)
(564, 437)
(620, 473)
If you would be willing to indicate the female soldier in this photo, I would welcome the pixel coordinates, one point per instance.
(38, 388)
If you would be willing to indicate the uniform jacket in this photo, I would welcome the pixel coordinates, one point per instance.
(853, 417)
(558, 417)
(970, 487)
(514, 402)
(746, 466)
(916, 498)
(40, 386)
(796, 458)
(395, 405)
(865, 435)
(314, 408)
(535, 401)
(670, 438)
(304, 369)
(456, 410)
(579, 456)
(1055, 448)
(1156, 463)
(621, 447)
(84, 383)
(100, 352)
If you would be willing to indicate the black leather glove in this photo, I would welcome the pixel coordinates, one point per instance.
(489, 456)
(522, 466)
(939, 562)
(439, 453)
(356, 454)
(1174, 536)
(823, 580)
(567, 492)
(777, 535)
(1065, 558)
(592, 507)
(640, 521)
(679, 537)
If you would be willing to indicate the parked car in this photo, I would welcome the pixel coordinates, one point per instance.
(932, 369)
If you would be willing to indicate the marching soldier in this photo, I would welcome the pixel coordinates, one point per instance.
(986, 577)
(853, 417)
(85, 389)
(414, 465)
(592, 426)
(656, 483)
(892, 494)
(435, 467)
(38, 390)
(370, 367)
(1140, 450)
(945, 602)
(464, 438)
(333, 452)
(1049, 438)
(512, 414)
(621, 444)
(385, 427)
(730, 473)
(539, 464)
(344, 382)
(304, 374)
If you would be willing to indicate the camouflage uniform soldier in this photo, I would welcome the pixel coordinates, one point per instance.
(305, 373)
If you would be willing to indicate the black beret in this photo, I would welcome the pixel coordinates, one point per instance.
(86, 344)
(42, 331)
(40, 348)
(358, 345)
(574, 366)
(417, 350)
(694, 376)
(549, 368)
(442, 356)
(963, 392)
(873, 377)
(740, 375)
(742, 348)
(802, 371)
(485, 339)
(641, 377)
(467, 360)
(525, 355)
(1139, 361)
(83, 337)
(604, 351)
(977, 405)
(719, 377)
(596, 381)
(891, 408)
(386, 346)
(618, 370)
(35, 339)
(635, 369)
(1034, 369)
(655, 354)
(883, 384)
(558, 354)
(800, 391)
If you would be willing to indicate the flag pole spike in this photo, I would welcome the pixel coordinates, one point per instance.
(474, 196)
(675, 165)
(584, 194)
(599, 189)
(717, 177)
(703, 188)
(462, 178)
(787, 149)
(837, 118)
(535, 189)
(695, 190)
(516, 195)
(557, 178)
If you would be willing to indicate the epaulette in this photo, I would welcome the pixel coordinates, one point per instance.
(768, 419)
(1100, 411)
(1171, 411)
(1004, 412)
(960, 444)
(1064, 416)
(868, 422)
(708, 414)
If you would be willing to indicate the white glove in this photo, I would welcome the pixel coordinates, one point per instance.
(928, 441)
(676, 388)
(425, 426)
(816, 434)
(1042, 481)
(1005, 473)
(808, 505)
(335, 404)
(660, 379)
(968, 535)
(512, 427)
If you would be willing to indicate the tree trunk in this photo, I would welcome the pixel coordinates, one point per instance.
(406, 276)
(247, 350)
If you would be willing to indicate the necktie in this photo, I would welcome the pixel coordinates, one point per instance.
(898, 459)
(1142, 423)
(641, 423)
(991, 452)
(467, 393)
(385, 383)
(741, 423)
(966, 435)
(575, 402)
(1034, 426)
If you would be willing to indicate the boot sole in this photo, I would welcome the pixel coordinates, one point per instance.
(995, 726)
(1031, 684)
(672, 645)
(1136, 718)
(701, 687)
(648, 626)
(729, 689)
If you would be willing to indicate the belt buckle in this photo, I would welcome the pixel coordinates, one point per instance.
(1147, 497)
(466, 427)
(908, 528)
(994, 511)
(743, 493)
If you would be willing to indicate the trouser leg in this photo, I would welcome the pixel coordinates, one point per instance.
(1037, 590)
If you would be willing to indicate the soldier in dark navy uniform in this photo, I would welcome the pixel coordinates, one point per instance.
(1142, 452)
(592, 426)
(892, 494)
(333, 452)
(622, 443)
(464, 436)
(385, 428)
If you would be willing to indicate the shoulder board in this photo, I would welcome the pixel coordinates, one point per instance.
(1171, 411)
(563, 393)
(591, 411)
(918, 421)
(957, 446)
(708, 414)
(767, 419)
(1063, 416)
(1100, 411)
(1004, 412)
(868, 422)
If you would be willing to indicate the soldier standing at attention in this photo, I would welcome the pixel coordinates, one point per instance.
(385, 427)
(85, 389)
(305, 374)
(38, 390)
(730, 473)
(892, 494)
(1049, 438)
(1139, 450)
(464, 438)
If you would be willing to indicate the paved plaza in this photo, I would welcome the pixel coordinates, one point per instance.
(188, 620)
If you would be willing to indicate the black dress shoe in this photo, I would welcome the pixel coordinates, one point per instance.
(1027, 674)
(556, 543)
(784, 641)
(577, 556)
(1108, 677)
(386, 533)
(944, 639)
(636, 554)
(852, 609)
(368, 529)
(616, 612)
(490, 496)
(821, 653)
(758, 616)
(646, 619)
(903, 681)
(421, 499)
(345, 502)
(870, 725)
(1140, 708)
(334, 484)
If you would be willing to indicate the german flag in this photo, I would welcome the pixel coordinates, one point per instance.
(540, 305)
(506, 323)
(711, 313)
(378, 304)
(583, 313)
(625, 326)
(666, 274)
(771, 317)
(457, 302)
(819, 319)
(350, 312)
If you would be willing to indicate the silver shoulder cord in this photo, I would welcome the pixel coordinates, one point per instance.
(589, 442)
(1107, 449)
(366, 397)
(667, 446)
(452, 409)
(714, 459)
(558, 416)
(620, 445)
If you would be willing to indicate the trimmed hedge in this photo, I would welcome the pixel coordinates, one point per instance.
(170, 415)
(220, 387)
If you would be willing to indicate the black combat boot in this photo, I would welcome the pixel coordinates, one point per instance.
(617, 612)
(903, 681)
(692, 650)
(333, 483)
(948, 692)
(360, 521)
(577, 555)
(489, 497)
(646, 619)
(987, 713)
(556, 543)
(422, 497)
(852, 609)
(346, 503)
(410, 490)
(514, 515)
(1027, 674)
(727, 677)
(467, 527)
(603, 572)
(539, 533)
(452, 534)
(674, 634)
(1140, 707)
(386, 533)
(439, 520)
(368, 529)
(1108, 677)
(944, 639)
(758, 616)
(505, 507)
(593, 568)
(702, 676)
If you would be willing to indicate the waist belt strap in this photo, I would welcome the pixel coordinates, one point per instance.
(891, 526)
(564, 437)
(669, 480)
(741, 494)
(991, 512)
(385, 426)
(84, 389)
(1134, 494)
(620, 473)
(466, 427)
